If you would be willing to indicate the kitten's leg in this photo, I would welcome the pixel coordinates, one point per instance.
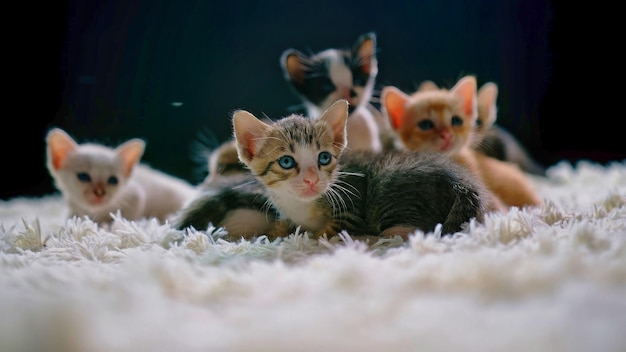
(386, 134)
(362, 131)
(280, 228)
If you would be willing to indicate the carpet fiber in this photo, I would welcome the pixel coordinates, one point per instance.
(545, 279)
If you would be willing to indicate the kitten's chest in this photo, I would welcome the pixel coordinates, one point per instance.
(307, 215)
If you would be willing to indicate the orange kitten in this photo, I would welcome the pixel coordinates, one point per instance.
(442, 120)
(491, 139)
(97, 180)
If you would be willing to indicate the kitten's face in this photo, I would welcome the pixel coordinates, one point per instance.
(90, 174)
(436, 120)
(333, 74)
(294, 157)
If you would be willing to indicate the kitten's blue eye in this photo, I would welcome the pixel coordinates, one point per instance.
(113, 180)
(83, 177)
(479, 123)
(456, 121)
(286, 162)
(426, 125)
(324, 158)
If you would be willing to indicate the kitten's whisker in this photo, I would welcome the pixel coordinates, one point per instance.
(265, 138)
(244, 184)
(343, 182)
(336, 202)
(346, 191)
(350, 173)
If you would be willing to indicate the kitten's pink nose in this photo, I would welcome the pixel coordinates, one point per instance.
(310, 177)
(99, 191)
(445, 134)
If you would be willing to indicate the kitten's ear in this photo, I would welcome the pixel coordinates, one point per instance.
(337, 117)
(60, 144)
(130, 152)
(466, 89)
(365, 50)
(394, 100)
(427, 85)
(487, 96)
(247, 130)
(293, 64)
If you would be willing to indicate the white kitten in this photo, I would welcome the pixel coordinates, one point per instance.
(97, 180)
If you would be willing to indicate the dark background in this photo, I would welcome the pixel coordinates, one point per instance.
(108, 71)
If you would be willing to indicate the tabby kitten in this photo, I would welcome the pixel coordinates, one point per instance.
(96, 180)
(314, 184)
(444, 121)
(324, 77)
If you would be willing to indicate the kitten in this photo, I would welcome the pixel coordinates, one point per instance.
(224, 166)
(314, 184)
(491, 139)
(441, 120)
(497, 142)
(237, 204)
(324, 77)
(97, 180)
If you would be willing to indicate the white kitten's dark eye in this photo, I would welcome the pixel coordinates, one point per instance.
(426, 125)
(479, 123)
(324, 158)
(286, 162)
(113, 180)
(457, 121)
(83, 177)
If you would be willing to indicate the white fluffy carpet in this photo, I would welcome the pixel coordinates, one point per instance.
(547, 279)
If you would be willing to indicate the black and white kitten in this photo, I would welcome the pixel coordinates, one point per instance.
(322, 78)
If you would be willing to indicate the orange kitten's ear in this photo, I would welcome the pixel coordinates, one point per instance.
(248, 130)
(60, 144)
(337, 116)
(466, 89)
(487, 109)
(427, 85)
(294, 65)
(394, 101)
(365, 50)
(130, 152)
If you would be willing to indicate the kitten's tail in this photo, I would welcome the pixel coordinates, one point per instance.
(468, 204)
